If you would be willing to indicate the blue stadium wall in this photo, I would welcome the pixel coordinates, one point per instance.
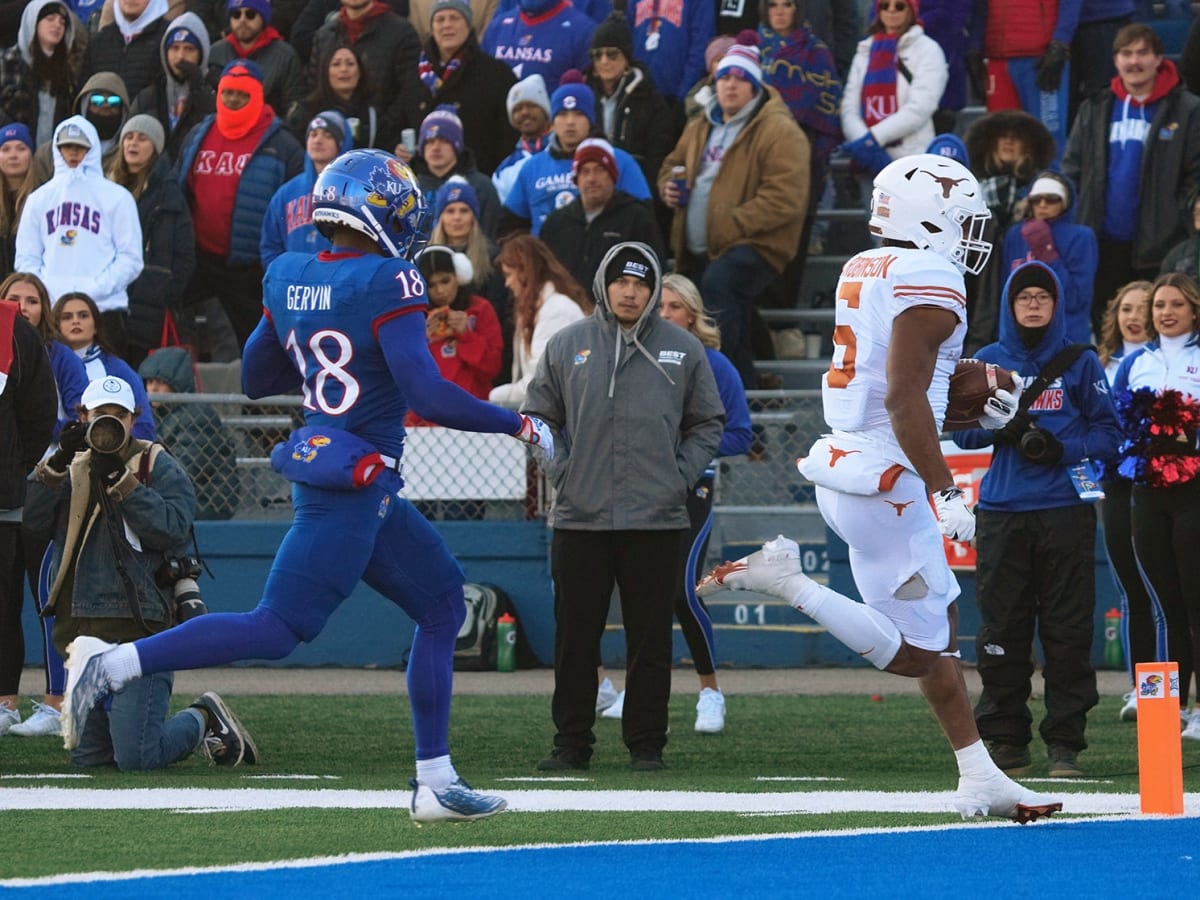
(369, 632)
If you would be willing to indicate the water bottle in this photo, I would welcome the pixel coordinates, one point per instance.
(506, 643)
(1114, 654)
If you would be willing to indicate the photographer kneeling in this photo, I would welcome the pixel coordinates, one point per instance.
(125, 510)
(1036, 529)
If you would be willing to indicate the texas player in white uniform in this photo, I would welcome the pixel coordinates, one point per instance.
(901, 317)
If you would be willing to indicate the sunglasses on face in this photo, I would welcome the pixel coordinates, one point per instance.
(104, 100)
(605, 53)
(250, 14)
(1045, 198)
(893, 7)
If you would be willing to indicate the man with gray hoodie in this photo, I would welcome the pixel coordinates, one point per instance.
(634, 403)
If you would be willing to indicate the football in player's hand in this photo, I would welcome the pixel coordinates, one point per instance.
(972, 383)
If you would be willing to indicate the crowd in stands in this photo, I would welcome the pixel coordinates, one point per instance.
(155, 157)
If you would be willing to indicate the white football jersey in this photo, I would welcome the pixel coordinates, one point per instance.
(874, 288)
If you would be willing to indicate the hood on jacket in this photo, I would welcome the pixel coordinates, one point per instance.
(91, 161)
(649, 315)
(108, 83)
(985, 131)
(196, 26)
(1056, 333)
(28, 29)
(1068, 213)
(172, 365)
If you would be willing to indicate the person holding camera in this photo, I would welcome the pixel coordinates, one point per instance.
(124, 509)
(1036, 529)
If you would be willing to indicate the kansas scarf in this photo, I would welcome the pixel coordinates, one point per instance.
(879, 84)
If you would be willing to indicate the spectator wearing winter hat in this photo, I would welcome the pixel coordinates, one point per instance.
(630, 112)
(747, 172)
(38, 90)
(180, 95)
(545, 182)
(16, 155)
(441, 154)
(455, 71)
(129, 47)
(287, 226)
(540, 37)
(344, 86)
(388, 48)
(584, 230)
(252, 37)
(1049, 235)
(168, 243)
(528, 106)
(950, 146)
(895, 83)
(671, 41)
(228, 200)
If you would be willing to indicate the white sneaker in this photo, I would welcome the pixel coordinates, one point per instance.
(1129, 710)
(710, 712)
(1192, 731)
(1000, 796)
(87, 683)
(606, 695)
(774, 570)
(9, 718)
(616, 709)
(46, 720)
(457, 803)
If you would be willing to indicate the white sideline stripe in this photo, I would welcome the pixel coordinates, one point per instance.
(353, 858)
(55, 776)
(191, 799)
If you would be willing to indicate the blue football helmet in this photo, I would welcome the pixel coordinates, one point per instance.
(377, 195)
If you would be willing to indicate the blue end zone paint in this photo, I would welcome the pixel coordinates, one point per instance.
(1141, 858)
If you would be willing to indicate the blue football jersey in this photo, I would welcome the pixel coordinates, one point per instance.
(326, 310)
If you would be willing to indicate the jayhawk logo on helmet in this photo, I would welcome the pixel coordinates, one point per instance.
(376, 194)
(306, 451)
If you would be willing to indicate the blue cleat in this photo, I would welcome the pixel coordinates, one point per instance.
(457, 803)
(87, 684)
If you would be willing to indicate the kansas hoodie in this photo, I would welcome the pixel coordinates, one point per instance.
(80, 231)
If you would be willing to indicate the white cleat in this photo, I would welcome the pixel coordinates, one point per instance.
(1129, 710)
(44, 721)
(87, 684)
(710, 712)
(457, 803)
(606, 695)
(774, 570)
(1000, 796)
(616, 709)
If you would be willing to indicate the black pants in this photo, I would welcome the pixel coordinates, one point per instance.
(12, 588)
(115, 323)
(238, 288)
(1118, 543)
(695, 622)
(1036, 570)
(1114, 270)
(1166, 535)
(585, 566)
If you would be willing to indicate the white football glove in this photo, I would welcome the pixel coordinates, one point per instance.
(536, 433)
(999, 409)
(955, 519)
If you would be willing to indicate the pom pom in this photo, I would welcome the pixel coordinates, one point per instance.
(1160, 428)
(571, 76)
(747, 37)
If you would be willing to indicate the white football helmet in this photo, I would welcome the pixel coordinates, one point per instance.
(936, 203)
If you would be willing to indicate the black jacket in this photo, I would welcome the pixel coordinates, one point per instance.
(644, 126)
(580, 245)
(168, 254)
(28, 410)
(201, 101)
(479, 90)
(138, 63)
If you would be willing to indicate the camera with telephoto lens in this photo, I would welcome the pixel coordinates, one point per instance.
(180, 573)
(106, 434)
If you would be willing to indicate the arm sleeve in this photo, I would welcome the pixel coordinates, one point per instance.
(738, 435)
(701, 425)
(267, 370)
(126, 263)
(29, 246)
(429, 395)
(702, 25)
(36, 402)
(1102, 435)
(273, 240)
(1068, 20)
(481, 349)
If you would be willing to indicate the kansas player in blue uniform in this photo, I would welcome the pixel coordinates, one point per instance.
(345, 326)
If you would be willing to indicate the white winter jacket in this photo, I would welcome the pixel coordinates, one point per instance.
(80, 231)
(917, 101)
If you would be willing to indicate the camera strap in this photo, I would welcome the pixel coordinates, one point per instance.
(144, 473)
(1059, 363)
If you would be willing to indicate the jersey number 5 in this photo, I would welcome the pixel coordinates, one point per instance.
(332, 390)
(845, 344)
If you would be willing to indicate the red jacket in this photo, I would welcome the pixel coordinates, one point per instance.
(472, 359)
(1018, 28)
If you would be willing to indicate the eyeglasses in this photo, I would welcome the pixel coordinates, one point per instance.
(606, 53)
(898, 6)
(1039, 299)
(250, 14)
(1045, 198)
(104, 100)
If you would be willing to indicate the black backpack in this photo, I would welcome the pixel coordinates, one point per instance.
(475, 647)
